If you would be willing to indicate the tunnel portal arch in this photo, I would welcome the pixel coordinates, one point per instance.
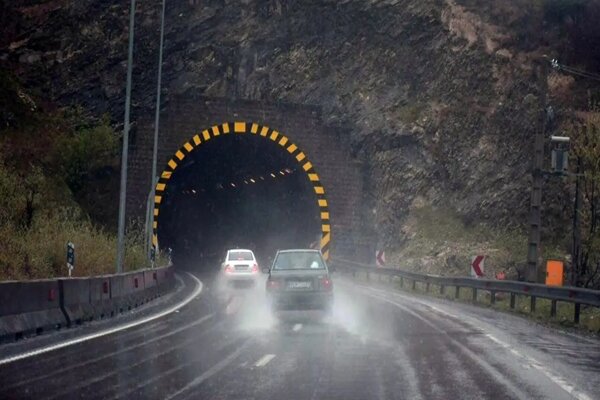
(259, 131)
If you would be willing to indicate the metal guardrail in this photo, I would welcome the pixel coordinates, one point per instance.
(577, 296)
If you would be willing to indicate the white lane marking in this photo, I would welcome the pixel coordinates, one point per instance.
(264, 360)
(106, 332)
(211, 371)
(531, 362)
(517, 393)
(297, 327)
(111, 354)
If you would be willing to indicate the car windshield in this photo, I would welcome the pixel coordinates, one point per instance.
(298, 260)
(240, 255)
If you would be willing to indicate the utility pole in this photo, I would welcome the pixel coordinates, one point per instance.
(123, 193)
(535, 219)
(576, 252)
(154, 178)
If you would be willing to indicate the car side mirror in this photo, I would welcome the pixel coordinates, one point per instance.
(265, 270)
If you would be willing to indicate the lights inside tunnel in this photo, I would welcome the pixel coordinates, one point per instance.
(247, 181)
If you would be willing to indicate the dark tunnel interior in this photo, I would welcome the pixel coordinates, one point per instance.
(236, 191)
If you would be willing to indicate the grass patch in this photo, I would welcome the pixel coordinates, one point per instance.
(410, 113)
(440, 241)
(40, 251)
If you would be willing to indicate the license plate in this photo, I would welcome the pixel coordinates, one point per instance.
(298, 285)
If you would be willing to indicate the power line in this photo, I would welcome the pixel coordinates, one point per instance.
(574, 71)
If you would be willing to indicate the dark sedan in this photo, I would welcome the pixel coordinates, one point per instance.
(299, 280)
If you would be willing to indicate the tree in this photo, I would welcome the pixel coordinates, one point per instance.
(586, 146)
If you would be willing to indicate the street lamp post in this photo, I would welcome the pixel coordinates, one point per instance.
(123, 192)
(154, 178)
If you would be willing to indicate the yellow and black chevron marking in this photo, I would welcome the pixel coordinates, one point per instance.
(258, 131)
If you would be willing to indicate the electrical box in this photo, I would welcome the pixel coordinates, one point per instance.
(555, 270)
(560, 160)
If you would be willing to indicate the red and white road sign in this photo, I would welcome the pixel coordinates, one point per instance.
(380, 258)
(477, 264)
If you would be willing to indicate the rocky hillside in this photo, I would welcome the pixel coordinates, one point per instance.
(438, 96)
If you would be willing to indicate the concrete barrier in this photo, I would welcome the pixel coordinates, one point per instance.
(100, 298)
(165, 278)
(128, 290)
(28, 308)
(32, 307)
(151, 284)
(75, 300)
(118, 293)
(137, 292)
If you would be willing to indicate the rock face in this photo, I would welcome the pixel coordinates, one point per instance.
(438, 96)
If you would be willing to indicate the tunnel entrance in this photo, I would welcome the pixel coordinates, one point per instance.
(238, 191)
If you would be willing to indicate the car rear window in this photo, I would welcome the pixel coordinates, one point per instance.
(298, 260)
(241, 255)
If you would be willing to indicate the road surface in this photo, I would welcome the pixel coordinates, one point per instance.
(379, 344)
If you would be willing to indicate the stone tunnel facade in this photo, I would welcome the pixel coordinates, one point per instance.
(340, 174)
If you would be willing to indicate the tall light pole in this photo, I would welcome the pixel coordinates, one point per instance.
(123, 193)
(154, 178)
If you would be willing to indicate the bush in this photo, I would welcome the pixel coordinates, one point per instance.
(85, 151)
(40, 252)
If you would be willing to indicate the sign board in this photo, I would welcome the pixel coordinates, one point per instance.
(70, 257)
(380, 258)
(477, 266)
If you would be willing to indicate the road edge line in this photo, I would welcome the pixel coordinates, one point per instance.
(46, 349)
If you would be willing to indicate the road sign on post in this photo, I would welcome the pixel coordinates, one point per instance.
(70, 257)
(380, 258)
(477, 264)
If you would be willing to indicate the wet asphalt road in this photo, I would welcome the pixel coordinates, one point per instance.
(379, 344)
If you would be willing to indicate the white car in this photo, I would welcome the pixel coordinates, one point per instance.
(240, 267)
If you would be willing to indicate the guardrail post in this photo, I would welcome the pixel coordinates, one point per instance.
(553, 308)
(532, 306)
(427, 287)
(442, 290)
(414, 285)
(401, 282)
(474, 295)
(512, 301)
(493, 297)
(577, 313)
(457, 292)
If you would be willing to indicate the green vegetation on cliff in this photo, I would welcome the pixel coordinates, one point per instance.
(57, 173)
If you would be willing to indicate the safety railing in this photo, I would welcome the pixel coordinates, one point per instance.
(574, 295)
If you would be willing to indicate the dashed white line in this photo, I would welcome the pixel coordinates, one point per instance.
(218, 367)
(297, 327)
(106, 332)
(264, 360)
